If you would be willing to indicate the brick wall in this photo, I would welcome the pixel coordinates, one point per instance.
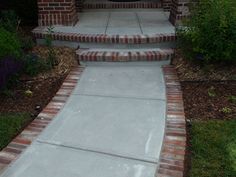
(179, 10)
(57, 12)
(79, 5)
(166, 4)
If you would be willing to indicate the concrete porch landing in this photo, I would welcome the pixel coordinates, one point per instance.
(119, 22)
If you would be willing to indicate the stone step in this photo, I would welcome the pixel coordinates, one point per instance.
(116, 55)
(121, 5)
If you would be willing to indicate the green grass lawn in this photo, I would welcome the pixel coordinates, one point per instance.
(10, 125)
(213, 149)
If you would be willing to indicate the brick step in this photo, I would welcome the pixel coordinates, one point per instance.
(118, 5)
(112, 55)
(40, 34)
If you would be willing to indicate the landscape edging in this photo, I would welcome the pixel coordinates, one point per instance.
(173, 153)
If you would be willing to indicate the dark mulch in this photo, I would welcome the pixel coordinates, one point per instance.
(43, 87)
(42, 92)
(209, 100)
(209, 91)
(194, 71)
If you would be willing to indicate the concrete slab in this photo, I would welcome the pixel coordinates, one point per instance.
(155, 22)
(92, 30)
(80, 30)
(124, 19)
(43, 160)
(152, 18)
(158, 29)
(93, 19)
(120, 22)
(132, 128)
(123, 30)
(124, 81)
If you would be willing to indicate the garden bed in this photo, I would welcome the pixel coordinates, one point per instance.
(23, 101)
(209, 94)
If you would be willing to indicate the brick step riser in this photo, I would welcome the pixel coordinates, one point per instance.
(121, 5)
(75, 45)
(108, 39)
(120, 59)
(124, 57)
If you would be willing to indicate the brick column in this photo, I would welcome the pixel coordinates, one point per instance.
(57, 12)
(166, 4)
(179, 10)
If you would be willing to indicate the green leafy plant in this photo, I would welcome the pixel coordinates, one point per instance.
(27, 43)
(9, 44)
(209, 35)
(51, 59)
(33, 65)
(211, 92)
(232, 99)
(9, 21)
(226, 110)
(28, 93)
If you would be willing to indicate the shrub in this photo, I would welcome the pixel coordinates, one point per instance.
(9, 67)
(25, 9)
(27, 43)
(9, 20)
(9, 44)
(210, 34)
(33, 65)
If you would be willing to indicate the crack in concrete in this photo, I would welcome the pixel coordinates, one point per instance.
(155, 161)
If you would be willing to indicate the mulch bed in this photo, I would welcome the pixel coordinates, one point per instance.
(200, 106)
(198, 82)
(43, 87)
(206, 93)
(192, 71)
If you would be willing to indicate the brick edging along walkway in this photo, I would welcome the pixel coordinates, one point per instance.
(172, 157)
(25, 138)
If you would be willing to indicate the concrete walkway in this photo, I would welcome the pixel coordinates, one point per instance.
(112, 126)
